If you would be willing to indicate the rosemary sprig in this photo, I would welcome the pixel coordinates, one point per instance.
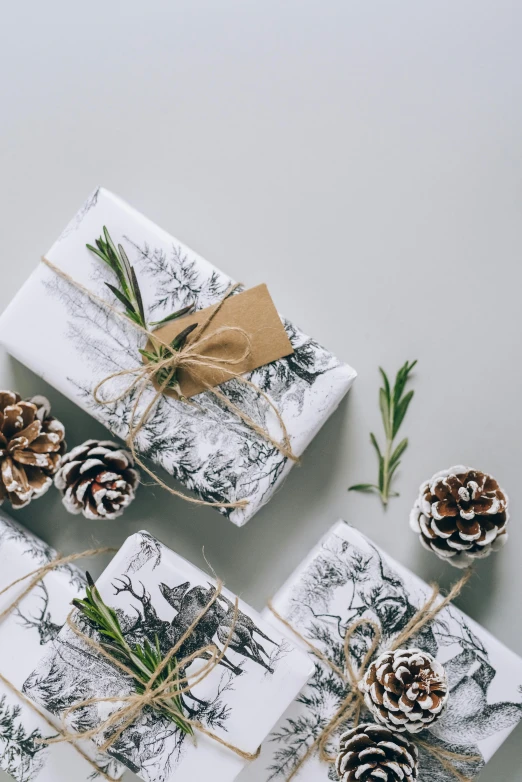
(129, 295)
(394, 405)
(117, 260)
(143, 661)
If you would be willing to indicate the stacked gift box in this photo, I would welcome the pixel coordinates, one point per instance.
(220, 456)
(27, 631)
(157, 596)
(347, 578)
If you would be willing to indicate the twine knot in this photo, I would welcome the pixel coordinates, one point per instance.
(191, 357)
(162, 694)
(352, 705)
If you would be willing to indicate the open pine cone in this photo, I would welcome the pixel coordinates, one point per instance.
(405, 690)
(31, 444)
(461, 514)
(372, 753)
(97, 479)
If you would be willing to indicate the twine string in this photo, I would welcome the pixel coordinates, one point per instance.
(155, 695)
(35, 576)
(53, 727)
(39, 573)
(192, 357)
(353, 704)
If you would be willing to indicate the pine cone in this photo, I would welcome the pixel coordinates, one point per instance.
(461, 514)
(372, 753)
(31, 444)
(97, 479)
(405, 690)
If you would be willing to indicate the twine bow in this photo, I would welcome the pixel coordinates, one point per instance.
(158, 696)
(352, 705)
(34, 577)
(190, 356)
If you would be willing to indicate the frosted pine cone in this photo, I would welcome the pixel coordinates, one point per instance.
(372, 753)
(97, 479)
(31, 444)
(405, 690)
(461, 514)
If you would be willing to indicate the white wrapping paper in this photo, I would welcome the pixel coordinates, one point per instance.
(347, 577)
(158, 594)
(74, 343)
(27, 632)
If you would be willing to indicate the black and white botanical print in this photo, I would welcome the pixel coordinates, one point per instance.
(21, 754)
(89, 204)
(153, 745)
(37, 616)
(30, 545)
(344, 583)
(149, 549)
(205, 446)
(36, 549)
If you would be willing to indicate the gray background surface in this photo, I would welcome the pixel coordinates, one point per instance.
(364, 159)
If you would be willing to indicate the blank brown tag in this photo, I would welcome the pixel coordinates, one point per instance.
(254, 312)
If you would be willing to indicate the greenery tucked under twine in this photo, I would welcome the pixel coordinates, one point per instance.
(394, 404)
(144, 661)
(129, 295)
(164, 365)
(160, 681)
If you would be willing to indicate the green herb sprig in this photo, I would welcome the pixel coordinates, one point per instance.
(394, 405)
(129, 295)
(143, 661)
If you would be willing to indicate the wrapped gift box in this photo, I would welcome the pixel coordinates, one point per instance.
(25, 633)
(74, 342)
(157, 593)
(347, 577)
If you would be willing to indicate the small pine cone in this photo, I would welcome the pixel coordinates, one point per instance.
(405, 690)
(31, 444)
(461, 514)
(97, 479)
(372, 753)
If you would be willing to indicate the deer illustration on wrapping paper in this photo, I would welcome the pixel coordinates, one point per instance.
(43, 623)
(219, 621)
